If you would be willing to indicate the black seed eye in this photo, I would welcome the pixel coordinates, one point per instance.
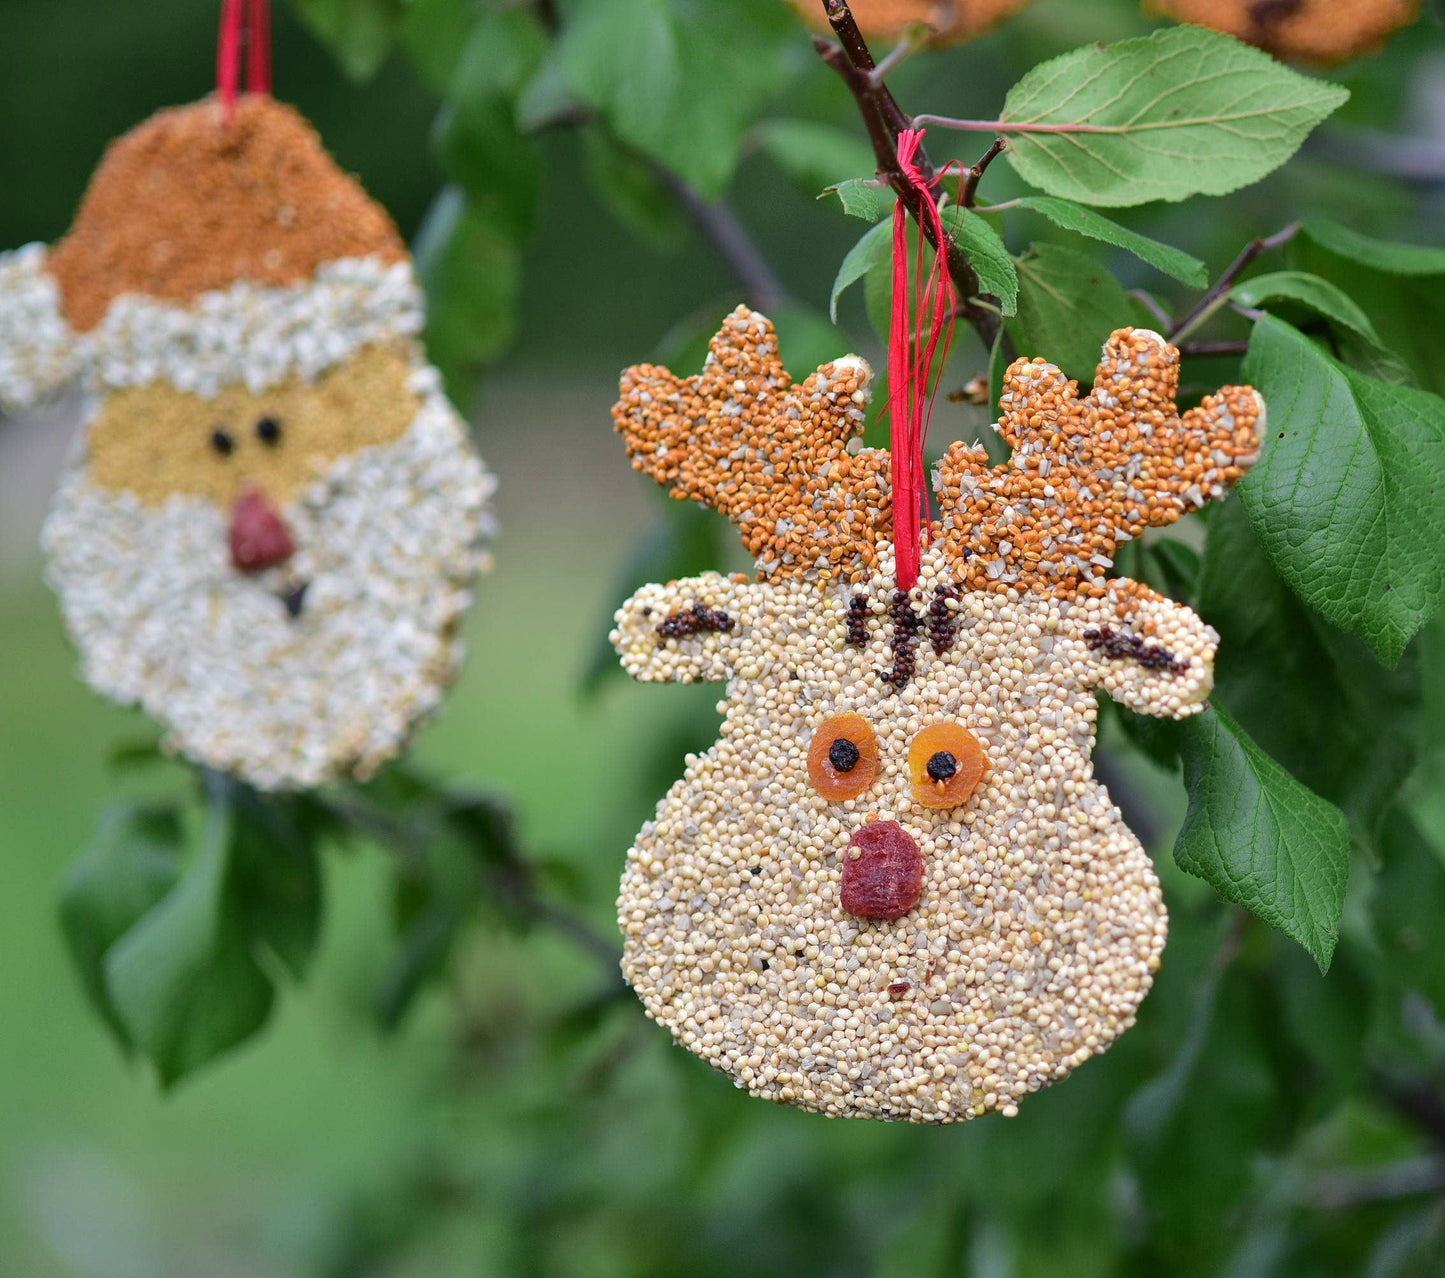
(268, 430)
(941, 766)
(222, 442)
(843, 755)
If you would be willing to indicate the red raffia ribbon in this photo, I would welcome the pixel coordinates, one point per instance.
(911, 363)
(245, 30)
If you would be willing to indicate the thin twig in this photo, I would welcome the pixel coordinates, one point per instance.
(717, 221)
(1219, 294)
(975, 174)
(1407, 1178)
(884, 120)
(1148, 301)
(1204, 350)
(899, 54)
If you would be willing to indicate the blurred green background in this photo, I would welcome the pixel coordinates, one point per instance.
(509, 1126)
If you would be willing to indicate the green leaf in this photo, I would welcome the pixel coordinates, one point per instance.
(873, 250)
(628, 185)
(183, 980)
(681, 81)
(1309, 291)
(1068, 305)
(276, 875)
(1378, 255)
(1347, 496)
(358, 32)
(860, 197)
(433, 34)
(481, 150)
(1296, 681)
(871, 259)
(1408, 909)
(814, 155)
(1073, 217)
(1182, 112)
(132, 862)
(1260, 838)
(471, 272)
(1406, 310)
(985, 249)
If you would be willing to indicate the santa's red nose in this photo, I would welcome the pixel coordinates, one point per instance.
(260, 538)
(882, 872)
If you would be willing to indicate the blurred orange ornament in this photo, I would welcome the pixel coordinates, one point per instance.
(1321, 32)
(953, 21)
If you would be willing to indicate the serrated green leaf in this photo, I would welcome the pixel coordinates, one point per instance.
(1378, 255)
(1182, 112)
(1068, 305)
(814, 155)
(874, 248)
(985, 249)
(359, 33)
(183, 980)
(1309, 291)
(860, 197)
(1295, 681)
(1347, 496)
(1087, 222)
(681, 81)
(471, 272)
(1259, 837)
(132, 862)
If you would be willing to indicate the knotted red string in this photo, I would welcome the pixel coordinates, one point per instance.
(911, 363)
(245, 31)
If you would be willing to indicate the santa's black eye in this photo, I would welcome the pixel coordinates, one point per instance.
(843, 755)
(222, 442)
(942, 765)
(268, 431)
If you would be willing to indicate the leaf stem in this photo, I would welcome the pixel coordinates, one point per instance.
(1009, 126)
(1217, 296)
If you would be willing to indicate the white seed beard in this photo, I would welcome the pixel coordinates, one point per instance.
(387, 543)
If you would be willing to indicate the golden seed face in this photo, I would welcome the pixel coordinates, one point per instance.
(155, 441)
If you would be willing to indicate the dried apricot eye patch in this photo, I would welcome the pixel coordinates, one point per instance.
(945, 764)
(843, 757)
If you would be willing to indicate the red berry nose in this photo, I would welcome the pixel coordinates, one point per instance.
(259, 538)
(882, 872)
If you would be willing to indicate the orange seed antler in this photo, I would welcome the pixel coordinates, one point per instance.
(771, 455)
(1087, 474)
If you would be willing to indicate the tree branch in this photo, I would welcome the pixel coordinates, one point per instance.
(720, 225)
(975, 174)
(1219, 294)
(884, 120)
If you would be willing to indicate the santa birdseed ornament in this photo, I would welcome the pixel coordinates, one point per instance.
(268, 525)
(894, 887)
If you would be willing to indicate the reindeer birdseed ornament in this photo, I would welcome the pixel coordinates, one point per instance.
(268, 526)
(894, 888)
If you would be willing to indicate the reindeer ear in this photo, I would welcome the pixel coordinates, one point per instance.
(38, 352)
(691, 631)
(1147, 652)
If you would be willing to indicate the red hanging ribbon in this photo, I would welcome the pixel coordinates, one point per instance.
(911, 363)
(245, 31)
